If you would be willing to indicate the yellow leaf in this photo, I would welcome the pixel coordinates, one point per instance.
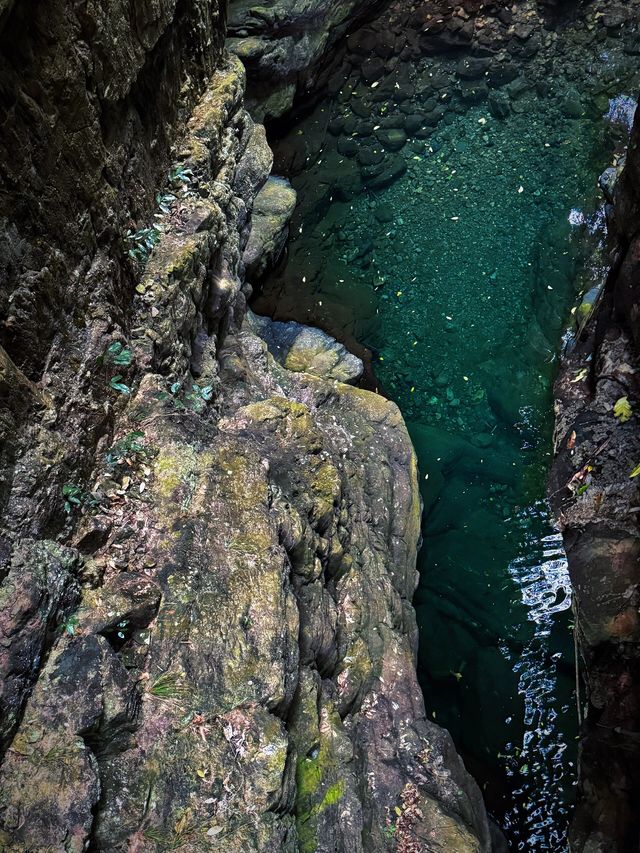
(622, 410)
(398, 811)
(580, 375)
(201, 773)
(635, 471)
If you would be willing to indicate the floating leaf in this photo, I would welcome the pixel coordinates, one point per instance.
(622, 410)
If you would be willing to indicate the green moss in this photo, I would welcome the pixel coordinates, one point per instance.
(334, 794)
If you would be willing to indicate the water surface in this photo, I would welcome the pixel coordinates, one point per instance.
(459, 278)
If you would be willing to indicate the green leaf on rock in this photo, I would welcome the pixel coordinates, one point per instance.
(119, 386)
(622, 410)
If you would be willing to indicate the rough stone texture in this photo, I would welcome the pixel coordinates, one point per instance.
(596, 501)
(305, 350)
(272, 211)
(222, 652)
(282, 43)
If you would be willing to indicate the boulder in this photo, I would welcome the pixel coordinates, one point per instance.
(272, 210)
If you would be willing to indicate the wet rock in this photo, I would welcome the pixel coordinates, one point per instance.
(348, 147)
(473, 92)
(272, 211)
(502, 73)
(571, 105)
(472, 68)
(518, 87)
(384, 212)
(393, 139)
(369, 156)
(361, 108)
(38, 590)
(499, 104)
(391, 170)
(600, 527)
(413, 123)
(282, 47)
(615, 17)
(372, 69)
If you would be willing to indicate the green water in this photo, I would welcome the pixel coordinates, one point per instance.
(459, 278)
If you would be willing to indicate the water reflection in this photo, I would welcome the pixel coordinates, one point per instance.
(539, 816)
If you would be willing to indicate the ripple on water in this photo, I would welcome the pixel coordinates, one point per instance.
(541, 806)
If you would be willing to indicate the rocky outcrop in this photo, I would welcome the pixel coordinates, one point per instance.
(272, 211)
(303, 349)
(207, 559)
(283, 42)
(594, 493)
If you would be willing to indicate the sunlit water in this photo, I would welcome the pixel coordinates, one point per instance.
(460, 278)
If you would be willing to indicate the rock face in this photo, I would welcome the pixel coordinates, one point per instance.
(282, 42)
(305, 350)
(272, 211)
(207, 560)
(594, 492)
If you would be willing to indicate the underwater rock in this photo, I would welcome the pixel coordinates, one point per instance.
(499, 104)
(572, 105)
(393, 139)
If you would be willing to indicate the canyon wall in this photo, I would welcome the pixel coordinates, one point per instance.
(594, 494)
(207, 559)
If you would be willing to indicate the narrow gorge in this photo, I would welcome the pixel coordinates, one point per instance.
(319, 462)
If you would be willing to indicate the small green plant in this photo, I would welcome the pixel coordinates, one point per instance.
(75, 497)
(195, 399)
(168, 686)
(389, 831)
(118, 385)
(127, 448)
(156, 835)
(118, 354)
(623, 410)
(70, 625)
(142, 243)
(165, 201)
(180, 175)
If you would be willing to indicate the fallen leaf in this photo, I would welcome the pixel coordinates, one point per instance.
(635, 471)
(580, 375)
(622, 410)
(572, 441)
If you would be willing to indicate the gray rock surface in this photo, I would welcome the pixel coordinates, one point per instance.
(272, 210)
